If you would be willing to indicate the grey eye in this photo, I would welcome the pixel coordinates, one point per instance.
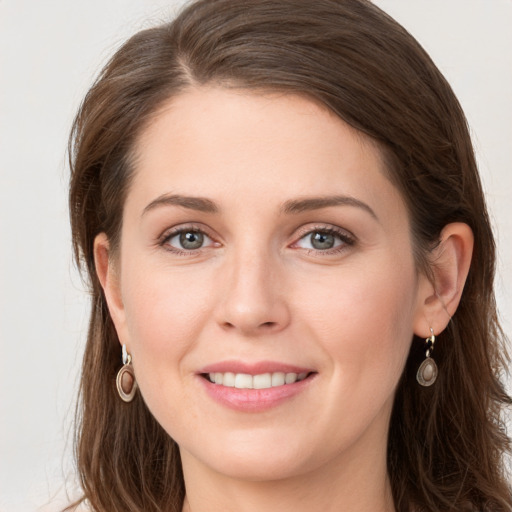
(191, 239)
(188, 240)
(321, 240)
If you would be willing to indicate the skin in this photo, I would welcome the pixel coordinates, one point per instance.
(258, 290)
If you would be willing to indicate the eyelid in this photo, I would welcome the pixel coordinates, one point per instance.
(329, 228)
(347, 238)
(344, 235)
(169, 233)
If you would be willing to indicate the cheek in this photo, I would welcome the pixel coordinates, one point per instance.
(165, 316)
(364, 317)
(165, 313)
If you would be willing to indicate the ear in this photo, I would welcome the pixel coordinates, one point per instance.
(107, 272)
(450, 262)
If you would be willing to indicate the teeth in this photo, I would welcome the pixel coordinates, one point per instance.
(278, 379)
(243, 381)
(228, 380)
(260, 381)
(290, 378)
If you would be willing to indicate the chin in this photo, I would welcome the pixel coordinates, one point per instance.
(255, 468)
(257, 456)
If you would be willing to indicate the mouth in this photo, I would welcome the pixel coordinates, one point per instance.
(256, 386)
(258, 381)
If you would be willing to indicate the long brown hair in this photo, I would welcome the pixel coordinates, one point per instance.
(447, 442)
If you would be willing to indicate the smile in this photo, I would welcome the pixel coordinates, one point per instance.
(260, 381)
(254, 387)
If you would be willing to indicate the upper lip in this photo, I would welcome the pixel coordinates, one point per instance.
(255, 368)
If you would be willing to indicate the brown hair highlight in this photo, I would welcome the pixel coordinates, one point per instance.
(446, 443)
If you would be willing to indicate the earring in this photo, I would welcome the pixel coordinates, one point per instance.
(125, 380)
(427, 372)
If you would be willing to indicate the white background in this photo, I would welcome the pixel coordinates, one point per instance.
(49, 53)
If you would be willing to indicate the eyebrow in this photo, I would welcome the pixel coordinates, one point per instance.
(193, 203)
(293, 206)
(317, 203)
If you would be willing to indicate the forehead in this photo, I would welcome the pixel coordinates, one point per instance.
(256, 146)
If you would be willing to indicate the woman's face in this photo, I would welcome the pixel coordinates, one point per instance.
(264, 249)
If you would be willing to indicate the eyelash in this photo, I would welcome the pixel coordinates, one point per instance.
(168, 235)
(345, 237)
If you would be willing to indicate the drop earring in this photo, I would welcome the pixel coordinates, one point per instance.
(125, 380)
(427, 372)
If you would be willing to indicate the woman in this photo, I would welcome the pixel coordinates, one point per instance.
(279, 211)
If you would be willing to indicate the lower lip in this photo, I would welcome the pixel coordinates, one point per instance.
(254, 400)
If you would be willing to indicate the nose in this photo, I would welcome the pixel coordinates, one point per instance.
(253, 295)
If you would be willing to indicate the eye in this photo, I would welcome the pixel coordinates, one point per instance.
(324, 239)
(187, 240)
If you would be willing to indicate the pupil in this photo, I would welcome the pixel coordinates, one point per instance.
(191, 240)
(322, 240)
